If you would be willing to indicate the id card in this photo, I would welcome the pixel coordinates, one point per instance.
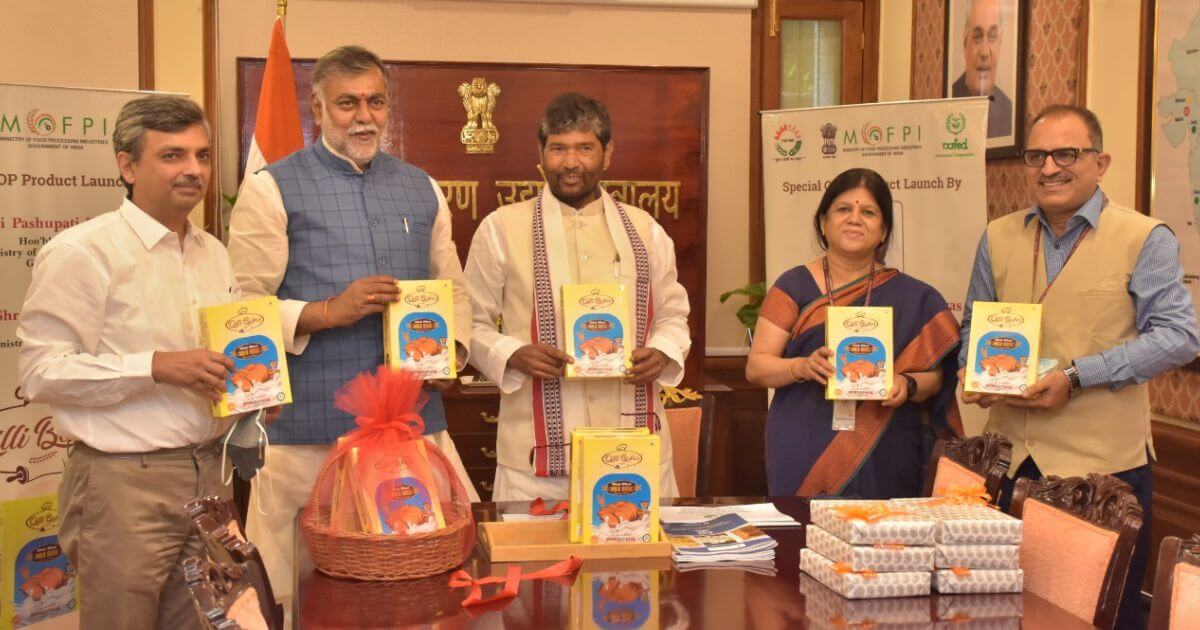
(843, 415)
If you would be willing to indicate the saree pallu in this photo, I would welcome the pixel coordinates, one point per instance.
(885, 455)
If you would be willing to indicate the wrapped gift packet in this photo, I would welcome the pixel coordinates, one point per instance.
(863, 584)
(964, 517)
(882, 557)
(979, 606)
(979, 580)
(977, 556)
(872, 522)
(823, 606)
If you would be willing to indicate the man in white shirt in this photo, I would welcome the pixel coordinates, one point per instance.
(329, 229)
(521, 255)
(110, 340)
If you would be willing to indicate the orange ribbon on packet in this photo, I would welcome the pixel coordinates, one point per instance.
(871, 512)
(841, 568)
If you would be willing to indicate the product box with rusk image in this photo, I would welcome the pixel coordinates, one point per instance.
(576, 491)
(620, 493)
(861, 340)
(249, 333)
(38, 581)
(596, 326)
(418, 329)
(1003, 350)
(611, 600)
(398, 493)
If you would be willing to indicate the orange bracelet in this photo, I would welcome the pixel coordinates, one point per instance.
(325, 312)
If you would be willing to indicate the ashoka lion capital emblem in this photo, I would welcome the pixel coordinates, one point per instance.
(479, 99)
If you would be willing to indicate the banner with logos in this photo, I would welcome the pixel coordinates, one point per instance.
(56, 170)
(930, 152)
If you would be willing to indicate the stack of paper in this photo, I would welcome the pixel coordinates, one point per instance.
(726, 538)
(760, 514)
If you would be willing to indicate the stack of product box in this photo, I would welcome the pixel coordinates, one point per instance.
(869, 549)
(903, 547)
(977, 547)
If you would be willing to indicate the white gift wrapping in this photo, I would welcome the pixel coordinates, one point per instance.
(979, 606)
(879, 557)
(979, 580)
(977, 556)
(902, 528)
(823, 605)
(965, 524)
(864, 586)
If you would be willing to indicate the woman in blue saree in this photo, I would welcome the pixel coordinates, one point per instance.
(883, 455)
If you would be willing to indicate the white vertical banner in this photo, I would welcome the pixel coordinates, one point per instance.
(57, 169)
(930, 152)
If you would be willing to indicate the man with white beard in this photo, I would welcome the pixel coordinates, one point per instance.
(329, 229)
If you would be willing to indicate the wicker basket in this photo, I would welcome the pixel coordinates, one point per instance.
(388, 556)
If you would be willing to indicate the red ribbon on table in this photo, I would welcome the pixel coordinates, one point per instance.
(537, 507)
(511, 580)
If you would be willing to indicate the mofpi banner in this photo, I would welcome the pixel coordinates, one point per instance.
(57, 170)
(931, 154)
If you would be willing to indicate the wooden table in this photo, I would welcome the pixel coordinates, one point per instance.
(715, 598)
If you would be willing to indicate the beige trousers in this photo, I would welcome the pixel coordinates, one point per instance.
(123, 526)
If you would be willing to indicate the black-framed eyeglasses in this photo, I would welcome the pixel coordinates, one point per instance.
(1065, 156)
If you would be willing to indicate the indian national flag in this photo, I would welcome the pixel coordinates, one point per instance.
(277, 124)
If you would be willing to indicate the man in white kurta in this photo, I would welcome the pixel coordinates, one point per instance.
(587, 240)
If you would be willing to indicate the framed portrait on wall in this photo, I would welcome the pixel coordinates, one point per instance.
(985, 56)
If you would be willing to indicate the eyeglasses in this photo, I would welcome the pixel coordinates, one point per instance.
(1062, 157)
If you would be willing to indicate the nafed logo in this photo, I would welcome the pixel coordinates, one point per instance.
(828, 134)
(788, 140)
(956, 123)
(40, 124)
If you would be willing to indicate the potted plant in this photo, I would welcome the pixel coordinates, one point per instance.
(748, 313)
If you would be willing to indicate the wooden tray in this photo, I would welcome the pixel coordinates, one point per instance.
(522, 541)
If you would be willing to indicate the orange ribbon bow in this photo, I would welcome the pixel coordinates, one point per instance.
(974, 494)
(511, 580)
(871, 512)
(537, 507)
(842, 568)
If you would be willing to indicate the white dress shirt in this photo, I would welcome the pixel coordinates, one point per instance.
(258, 245)
(105, 296)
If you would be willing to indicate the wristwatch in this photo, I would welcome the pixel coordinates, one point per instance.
(912, 385)
(1073, 378)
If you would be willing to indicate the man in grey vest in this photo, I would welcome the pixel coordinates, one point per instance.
(329, 229)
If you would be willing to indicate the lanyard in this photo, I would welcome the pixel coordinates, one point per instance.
(1037, 248)
(829, 281)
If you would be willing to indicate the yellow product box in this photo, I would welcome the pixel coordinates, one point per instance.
(418, 330)
(596, 325)
(619, 599)
(249, 332)
(1004, 344)
(575, 511)
(344, 514)
(38, 581)
(619, 488)
(861, 340)
(397, 491)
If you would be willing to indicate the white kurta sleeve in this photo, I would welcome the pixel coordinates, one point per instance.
(60, 330)
(490, 348)
(258, 249)
(445, 265)
(669, 331)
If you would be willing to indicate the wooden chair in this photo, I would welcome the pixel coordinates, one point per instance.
(228, 582)
(690, 436)
(1176, 603)
(1078, 539)
(982, 459)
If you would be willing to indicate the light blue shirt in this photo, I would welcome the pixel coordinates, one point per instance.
(1165, 315)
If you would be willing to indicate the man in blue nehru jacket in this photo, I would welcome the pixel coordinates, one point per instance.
(329, 229)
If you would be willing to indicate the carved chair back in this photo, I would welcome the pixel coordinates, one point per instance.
(983, 459)
(1176, 602)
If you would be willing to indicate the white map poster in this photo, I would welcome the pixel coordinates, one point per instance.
(1175, 128)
